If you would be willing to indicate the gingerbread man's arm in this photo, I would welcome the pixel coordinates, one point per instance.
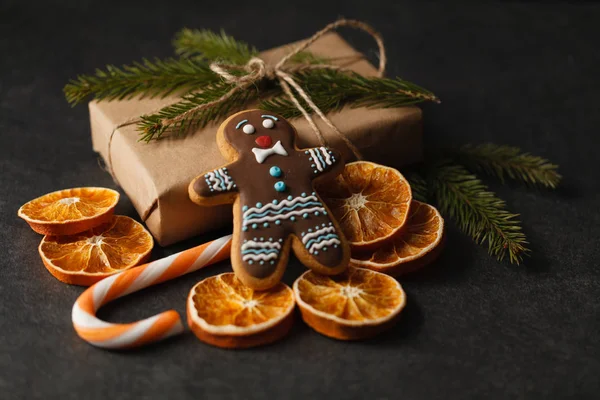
(214, 187)
(322, 159)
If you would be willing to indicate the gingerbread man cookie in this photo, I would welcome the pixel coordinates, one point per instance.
(275, 206)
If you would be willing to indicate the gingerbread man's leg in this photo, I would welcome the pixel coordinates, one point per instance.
(260, 255)
(321, 246)
(260, 249)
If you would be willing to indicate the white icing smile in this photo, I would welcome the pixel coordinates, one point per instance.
(262, 154)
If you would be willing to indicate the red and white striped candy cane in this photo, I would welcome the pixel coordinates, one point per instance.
(118, 336)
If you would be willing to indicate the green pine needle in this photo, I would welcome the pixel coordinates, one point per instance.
(477, 211)
(156, 78)
(418, 185)
(153, 126)
(330, 90)
(509, 162)
(211, 46)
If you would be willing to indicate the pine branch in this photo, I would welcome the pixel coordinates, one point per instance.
(418, 185)
(505, 161)
(478, 212)
(209, 46)
(154, 126)
(145, 78)
(331, 90)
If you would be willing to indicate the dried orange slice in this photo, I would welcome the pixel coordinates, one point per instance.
(70, 211)
(223, 312)
(370, 202)
(416, 246)
(87, 257)
(356, 304)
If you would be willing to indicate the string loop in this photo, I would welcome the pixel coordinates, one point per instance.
(256, 69)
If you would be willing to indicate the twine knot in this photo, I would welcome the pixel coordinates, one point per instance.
(256, 69)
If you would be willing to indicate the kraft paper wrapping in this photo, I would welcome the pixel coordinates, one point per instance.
(156, 175)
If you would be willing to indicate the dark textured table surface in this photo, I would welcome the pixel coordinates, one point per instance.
(516, 73)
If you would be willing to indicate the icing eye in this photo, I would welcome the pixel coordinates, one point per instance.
(248, 129)
(268, 123)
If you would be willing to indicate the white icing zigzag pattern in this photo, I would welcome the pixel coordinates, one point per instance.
(253, 251)
(321, 158)
(262, 245)
(219, 180)
(283, 210)
(316, 234)
(320, 238)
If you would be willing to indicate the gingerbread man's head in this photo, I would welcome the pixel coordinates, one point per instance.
(258, 134)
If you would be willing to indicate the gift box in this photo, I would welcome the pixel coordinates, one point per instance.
(156, 175)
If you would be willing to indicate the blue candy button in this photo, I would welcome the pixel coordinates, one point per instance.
(275, 171)
(280, 186)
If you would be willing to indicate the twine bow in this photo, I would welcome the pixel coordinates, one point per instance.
(256, 69)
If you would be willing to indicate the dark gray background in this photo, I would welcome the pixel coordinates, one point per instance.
(523, 74)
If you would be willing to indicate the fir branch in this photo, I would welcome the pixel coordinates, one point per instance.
(331, 90)
(418, 185)
(153, 126)
(505, 161)
(145, 78)
(478, 212)
(209, 46)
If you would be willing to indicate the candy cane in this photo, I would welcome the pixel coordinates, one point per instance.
(118, 336)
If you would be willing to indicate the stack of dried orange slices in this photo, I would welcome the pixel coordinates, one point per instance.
(84, 241)
(388, 231)
(390, 234)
